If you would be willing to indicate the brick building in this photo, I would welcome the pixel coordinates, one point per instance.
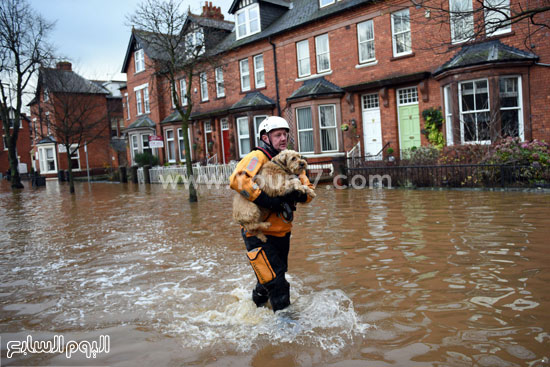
(23, 146)
(346, 74)
(66, 103)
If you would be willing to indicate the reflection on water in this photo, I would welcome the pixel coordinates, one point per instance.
(394, 277)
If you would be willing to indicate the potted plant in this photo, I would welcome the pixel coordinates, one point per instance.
(390, 156)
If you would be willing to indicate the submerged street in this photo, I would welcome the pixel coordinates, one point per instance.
(378, 277)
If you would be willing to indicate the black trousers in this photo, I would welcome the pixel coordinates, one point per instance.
(278, 290)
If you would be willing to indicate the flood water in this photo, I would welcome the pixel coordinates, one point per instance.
(378, 278)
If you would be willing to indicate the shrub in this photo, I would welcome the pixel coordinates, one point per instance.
(422, 156)
(464, 154)
(147, 158)
(511, 151)
(433, 121)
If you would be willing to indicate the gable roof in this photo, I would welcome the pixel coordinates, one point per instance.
(253, 101)
(67, 81)
(485, 53)
(317, 87)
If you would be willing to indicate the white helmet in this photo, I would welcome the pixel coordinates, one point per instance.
(273, 123)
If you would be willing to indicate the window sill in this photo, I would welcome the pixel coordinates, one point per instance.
(367, 64)
(205, 101)
(139, 72)
(313, 76)
(220, 97)
(323, 155)
(400, 57)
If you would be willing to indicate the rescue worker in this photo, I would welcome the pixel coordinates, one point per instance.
(273, 139)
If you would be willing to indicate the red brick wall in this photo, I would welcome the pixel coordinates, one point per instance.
(23, 147)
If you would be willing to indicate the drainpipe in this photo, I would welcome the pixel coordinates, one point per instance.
(276, 76)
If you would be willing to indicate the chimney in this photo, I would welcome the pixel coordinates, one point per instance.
(64, 65)
(212, 12)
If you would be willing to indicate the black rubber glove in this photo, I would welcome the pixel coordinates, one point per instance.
(276, 204)
(295, 197)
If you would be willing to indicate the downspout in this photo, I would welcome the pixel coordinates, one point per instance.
(276, 76)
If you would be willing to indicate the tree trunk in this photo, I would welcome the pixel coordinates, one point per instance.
(14, 167)
(70, 178)
(192, 190)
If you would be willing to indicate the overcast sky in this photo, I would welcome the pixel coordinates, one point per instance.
(93, 34)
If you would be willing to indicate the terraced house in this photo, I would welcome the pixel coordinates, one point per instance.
(349, 75)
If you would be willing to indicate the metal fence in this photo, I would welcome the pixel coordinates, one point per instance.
(465, 175)
(202, 174)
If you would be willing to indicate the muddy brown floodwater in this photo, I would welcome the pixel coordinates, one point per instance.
(378, 277)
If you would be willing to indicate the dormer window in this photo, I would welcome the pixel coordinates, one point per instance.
(139, 60)
(195, 41)
(247, 21)
(323, 3)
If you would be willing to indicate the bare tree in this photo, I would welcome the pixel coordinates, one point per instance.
(23, 48)
(75, 112)
(180, 42)
(470, 20)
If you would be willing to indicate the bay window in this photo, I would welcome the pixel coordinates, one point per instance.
(475, 111)
(243, 136)
(327, 123)
(305, 130)
(46, 157)
(511, 116)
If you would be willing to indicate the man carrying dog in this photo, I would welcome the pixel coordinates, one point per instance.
(273, 139)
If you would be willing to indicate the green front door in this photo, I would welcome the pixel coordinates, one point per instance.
(409, 119)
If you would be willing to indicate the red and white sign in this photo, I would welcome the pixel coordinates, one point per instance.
(156, 141)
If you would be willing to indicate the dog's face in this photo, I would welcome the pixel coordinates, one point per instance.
(291, 160)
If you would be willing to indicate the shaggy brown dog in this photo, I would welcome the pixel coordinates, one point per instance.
(277, 177)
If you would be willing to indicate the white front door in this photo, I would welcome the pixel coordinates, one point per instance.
(372, 127)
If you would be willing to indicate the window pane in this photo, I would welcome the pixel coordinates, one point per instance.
(509, 96)
(328, 139)
(305, 130)
(510, 123)
(327, 116)
(245, 146)
(243, 126)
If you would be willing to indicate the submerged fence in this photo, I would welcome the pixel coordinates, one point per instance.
(178, 174)
(464, 175)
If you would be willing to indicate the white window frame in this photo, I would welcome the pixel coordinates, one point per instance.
(220, 87)
(259, 71)
(171, 158)
(323, 3)
(519, 108)
(403, 32)
(310, 108)
(139, 61)
(134, 146)
(204, 86)
(319, 41)
(495, 16)
(145, 108)
(76, 156)
(364, 41)
(180, 143)
(42, 158)
(257, 121)
(303, 58)
(183, 92)
(46, 95)
(321, 128)
(5, 142)
(242, 137)
(448, 102)
(244, 74)
(476, 111)
(127, 105)
(462, 25)
(247, 21)
(139, 107)
(195, 39)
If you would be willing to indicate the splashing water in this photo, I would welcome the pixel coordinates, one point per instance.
(326, 319)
